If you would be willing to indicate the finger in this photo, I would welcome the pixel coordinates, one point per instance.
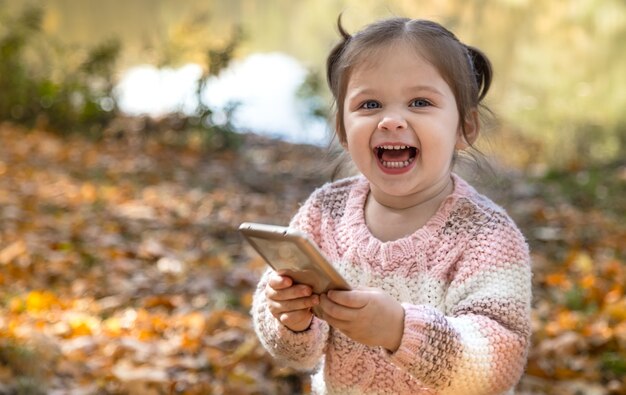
(278, 281)
(294, 292)
(332, 310)
(332, 321)
(279, 307)
(297, 320)
(355, 299)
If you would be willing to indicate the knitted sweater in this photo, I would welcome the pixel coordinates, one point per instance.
(463, 279)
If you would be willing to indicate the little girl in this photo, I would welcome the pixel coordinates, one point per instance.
(440, 274)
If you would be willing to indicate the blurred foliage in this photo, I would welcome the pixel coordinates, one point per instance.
(311, 94)
(64, 89)
(219, 131)
(35, 92)
(600, 187)
(558, 89)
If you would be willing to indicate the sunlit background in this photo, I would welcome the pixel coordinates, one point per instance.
(558, 94)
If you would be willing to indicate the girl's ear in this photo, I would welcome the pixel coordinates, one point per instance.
(468, 136)
(341, 135)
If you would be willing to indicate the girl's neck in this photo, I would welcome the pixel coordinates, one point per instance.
(391, 217)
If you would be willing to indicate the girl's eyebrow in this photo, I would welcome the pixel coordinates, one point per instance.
(366, 91)
(361, 92)
(427, 88)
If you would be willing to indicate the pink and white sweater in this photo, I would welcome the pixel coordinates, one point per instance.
(464, 280)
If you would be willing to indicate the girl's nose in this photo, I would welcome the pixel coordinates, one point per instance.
(392, 122)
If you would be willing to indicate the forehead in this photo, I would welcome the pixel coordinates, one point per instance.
(396, 61)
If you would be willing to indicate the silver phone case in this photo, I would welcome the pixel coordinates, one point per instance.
(289, 252)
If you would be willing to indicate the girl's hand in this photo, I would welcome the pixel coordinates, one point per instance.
(367, 315)
(290, 303)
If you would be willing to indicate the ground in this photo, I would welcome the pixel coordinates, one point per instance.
(122, 271)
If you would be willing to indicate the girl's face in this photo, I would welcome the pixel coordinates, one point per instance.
(402, 125)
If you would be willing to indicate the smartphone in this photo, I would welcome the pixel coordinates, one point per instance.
(289, 252)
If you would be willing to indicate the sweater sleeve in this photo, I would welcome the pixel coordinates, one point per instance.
(480, 343)
(300, 350)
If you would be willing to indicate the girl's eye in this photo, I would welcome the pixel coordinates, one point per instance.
(370, 104)
(420, 103)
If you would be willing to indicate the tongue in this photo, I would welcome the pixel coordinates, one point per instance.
(399, 155)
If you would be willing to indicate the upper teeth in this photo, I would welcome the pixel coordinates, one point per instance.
(396, 147)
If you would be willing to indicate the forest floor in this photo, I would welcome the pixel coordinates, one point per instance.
(121, 271)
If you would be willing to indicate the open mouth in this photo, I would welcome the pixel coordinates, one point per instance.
(395, 156)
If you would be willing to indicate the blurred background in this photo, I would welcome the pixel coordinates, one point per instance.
(558, 90)
(136, 136)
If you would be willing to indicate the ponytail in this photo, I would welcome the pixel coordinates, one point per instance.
(481, 67)
(333, 58)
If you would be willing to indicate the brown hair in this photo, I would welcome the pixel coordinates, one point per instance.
(466, 69)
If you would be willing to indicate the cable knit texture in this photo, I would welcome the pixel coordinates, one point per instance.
(463, 279)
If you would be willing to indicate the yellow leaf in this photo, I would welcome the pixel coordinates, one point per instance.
(41, 301)
(80, 328)
(583, 262)
(113, 327)
(83, 325)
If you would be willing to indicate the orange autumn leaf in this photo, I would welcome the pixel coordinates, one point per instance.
(560, 280)
(588, 281)
(159, 323)
(145, 335)
(190, 343)
(614, 294)
(566, 320)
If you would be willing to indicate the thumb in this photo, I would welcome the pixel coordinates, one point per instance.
(354, 299)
